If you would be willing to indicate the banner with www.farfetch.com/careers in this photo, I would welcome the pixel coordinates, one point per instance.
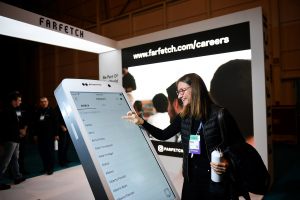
(221, 56)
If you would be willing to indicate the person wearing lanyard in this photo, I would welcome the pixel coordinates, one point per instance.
(45, 133)
(23, 125)
(10, 137)
(200, 134)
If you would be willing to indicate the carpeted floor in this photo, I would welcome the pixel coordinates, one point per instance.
(286, 173)
(285, 157)
(287, 188)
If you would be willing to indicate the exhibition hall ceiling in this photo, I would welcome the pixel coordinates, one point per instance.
(81, 13)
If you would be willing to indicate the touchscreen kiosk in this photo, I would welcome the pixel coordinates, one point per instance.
(118, 158)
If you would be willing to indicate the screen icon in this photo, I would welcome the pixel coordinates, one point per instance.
(167, 192)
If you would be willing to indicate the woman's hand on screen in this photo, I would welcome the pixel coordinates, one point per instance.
(133, 118)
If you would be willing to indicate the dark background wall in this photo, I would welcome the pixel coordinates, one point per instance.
(18, 73)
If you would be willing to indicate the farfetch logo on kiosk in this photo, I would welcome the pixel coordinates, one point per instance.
(161, 148)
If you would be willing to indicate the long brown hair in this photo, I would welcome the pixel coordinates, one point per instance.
(201, 99)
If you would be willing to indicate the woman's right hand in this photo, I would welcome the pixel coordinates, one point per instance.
(133, 118)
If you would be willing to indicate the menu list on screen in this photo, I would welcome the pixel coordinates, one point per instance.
(128, 164)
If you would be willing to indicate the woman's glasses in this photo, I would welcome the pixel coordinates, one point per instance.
(181, 91)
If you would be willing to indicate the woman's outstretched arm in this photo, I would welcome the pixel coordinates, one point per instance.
(165, 134)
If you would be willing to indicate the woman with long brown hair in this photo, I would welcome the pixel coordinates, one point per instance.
(198, 117)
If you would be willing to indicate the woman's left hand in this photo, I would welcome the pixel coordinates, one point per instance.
(222, 167)
(134, 118)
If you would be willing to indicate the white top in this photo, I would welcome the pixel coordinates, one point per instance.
(162, 121)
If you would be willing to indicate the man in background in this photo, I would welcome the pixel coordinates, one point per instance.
(46, 132)
(10, 137)
(161, 118)
(128, 80)
(23, 124)
(174, 106)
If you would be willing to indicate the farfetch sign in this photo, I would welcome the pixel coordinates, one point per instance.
(57, 26)
(168, 148)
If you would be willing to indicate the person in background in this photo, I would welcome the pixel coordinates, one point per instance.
(64, 140)
(174, 106)
(161, 118)
(138, 107)
(128, 80)
(10, 134)
(45, 133)
(23, 123)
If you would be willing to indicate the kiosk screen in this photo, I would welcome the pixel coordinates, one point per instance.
(127, 162)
